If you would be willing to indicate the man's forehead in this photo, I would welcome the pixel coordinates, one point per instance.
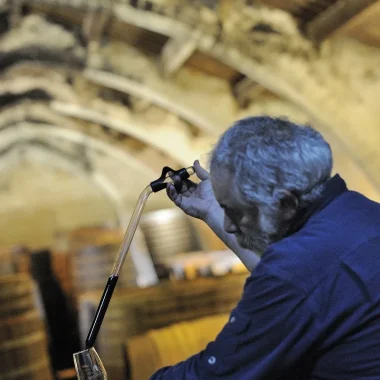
(224, 187)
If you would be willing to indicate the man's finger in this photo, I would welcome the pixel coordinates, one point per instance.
(182, 186)
(189, 185)
(201, 173)
(174, 195)
(171, 192)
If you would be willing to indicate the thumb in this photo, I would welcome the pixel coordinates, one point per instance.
(201, 172)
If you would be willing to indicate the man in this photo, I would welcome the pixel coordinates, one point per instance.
(311, 306)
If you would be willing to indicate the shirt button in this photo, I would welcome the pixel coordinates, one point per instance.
(232, 319)
(212, 360)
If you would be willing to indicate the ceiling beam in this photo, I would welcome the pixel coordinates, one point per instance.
(26, 110)
(15, 15)
(245, 90)
(335, 17)
(22, 84)
(43, 114)
(157, 136)
(176, 52)
(157, 23)
(78, 137)
(156, 96)
(94, 25)
(364, 26)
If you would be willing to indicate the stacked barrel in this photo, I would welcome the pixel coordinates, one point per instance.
(89, 254)
(23, 341)
(146, 353)
(168, 232)
(6, 262)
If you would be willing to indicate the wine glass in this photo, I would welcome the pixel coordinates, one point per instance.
(89, 366)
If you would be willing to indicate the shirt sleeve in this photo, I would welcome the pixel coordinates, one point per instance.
(268, 332)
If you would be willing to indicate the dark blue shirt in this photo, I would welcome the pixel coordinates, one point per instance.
(311, 308)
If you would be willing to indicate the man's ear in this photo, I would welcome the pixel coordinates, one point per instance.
(287, 203)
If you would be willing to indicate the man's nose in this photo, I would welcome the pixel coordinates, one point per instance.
(229, 225)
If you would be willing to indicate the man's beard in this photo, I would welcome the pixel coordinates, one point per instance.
(257, 242)
(259, 239)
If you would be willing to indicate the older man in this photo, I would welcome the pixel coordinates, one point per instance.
(311, 306)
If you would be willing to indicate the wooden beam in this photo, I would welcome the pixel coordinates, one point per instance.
(335, 17)
(364, 26)
(33, 111)
(31, 129)
(152, 135)
(94, 24)
(21, 84)
(15, 13)
(176, 52)
(245, 90)
(4, 4)
(155, 96)
(148, 20)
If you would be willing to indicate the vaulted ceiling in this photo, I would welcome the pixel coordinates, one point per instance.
(112, 91)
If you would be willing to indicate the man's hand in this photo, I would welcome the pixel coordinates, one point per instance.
(196, 200)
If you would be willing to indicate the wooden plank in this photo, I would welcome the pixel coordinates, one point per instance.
(245, 90)
(211, 66)
(15, 13)
(23, 84)
(365, 26)
(148, 20)
(95, 23)
(335, 17)
(176, 52)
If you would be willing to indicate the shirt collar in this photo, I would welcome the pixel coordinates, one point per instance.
(334, 187)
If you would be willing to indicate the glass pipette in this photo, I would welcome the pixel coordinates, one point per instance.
(168, 176)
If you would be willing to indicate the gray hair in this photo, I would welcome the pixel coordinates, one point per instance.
(265, 154)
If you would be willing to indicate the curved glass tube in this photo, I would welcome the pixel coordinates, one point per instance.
(133, 223)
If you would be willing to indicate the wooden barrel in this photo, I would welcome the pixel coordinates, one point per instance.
(16, 295)
(20, 326)
(7, 265)
(168, 232)
(39, 370)
(90, 254)
(23, 348)
(81, 237)
(67, 374)
(92, 265)
(167, 346)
